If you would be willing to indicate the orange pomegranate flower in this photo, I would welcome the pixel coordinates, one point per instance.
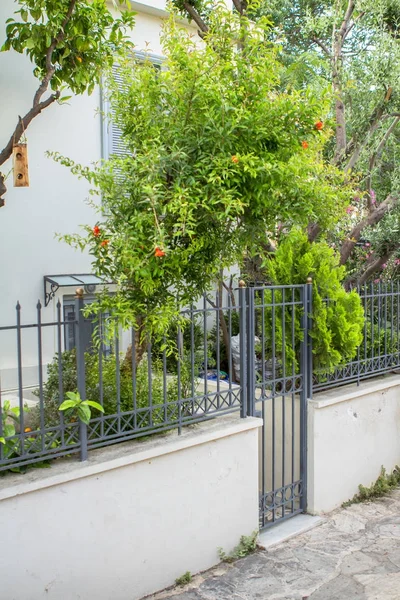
(319, 125)
(96, 231)
(235, 159)
(158, 252)
(105, 243)
(305, 145)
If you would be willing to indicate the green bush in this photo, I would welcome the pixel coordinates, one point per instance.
(12, 445)
(109, 398)
(337, 323)
(379, 340)
(170, 345)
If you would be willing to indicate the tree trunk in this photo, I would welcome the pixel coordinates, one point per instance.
(340, 115)
(372, 219)
(225, 331)
(140, 348)
(374, 267)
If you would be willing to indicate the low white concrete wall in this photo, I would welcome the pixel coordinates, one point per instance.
(133, 518)
(352, 432)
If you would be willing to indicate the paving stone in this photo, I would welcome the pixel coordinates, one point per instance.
(355, 555)
(380, 587)
(349, 523)
(394, 557)
(191, 595)
(340, 588)
(359, 562)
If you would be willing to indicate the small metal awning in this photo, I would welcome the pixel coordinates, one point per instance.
(53, 282)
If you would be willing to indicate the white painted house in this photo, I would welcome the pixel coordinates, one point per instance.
(55, 201)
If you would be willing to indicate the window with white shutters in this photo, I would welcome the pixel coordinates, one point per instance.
(112, 137)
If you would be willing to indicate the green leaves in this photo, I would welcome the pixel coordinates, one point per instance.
(81, 408)
(338, 324)
(88, 43)
(214, 160)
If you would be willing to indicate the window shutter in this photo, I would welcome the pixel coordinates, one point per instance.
(116, 144)
(112, 136)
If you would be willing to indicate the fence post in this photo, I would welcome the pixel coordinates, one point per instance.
(243, 348)
(250, 352)
(306, 372)
(309, 325)
(80, 365)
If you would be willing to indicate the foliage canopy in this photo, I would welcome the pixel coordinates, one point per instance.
(83, 37)
(217, 154)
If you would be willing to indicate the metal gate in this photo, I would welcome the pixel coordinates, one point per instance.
(276, 346)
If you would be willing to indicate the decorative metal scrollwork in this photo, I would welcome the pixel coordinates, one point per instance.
(51, 294)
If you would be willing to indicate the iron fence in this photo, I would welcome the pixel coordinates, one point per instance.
(248, 350)
(145, 387)
(26, 436)
(379, 352)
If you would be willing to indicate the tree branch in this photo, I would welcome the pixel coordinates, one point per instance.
(196, 17)
(229, 290)
(350, 27)
(323, 46)
(372, 219)
(222, 321)
(50, 68)
(313, 231)
(385, 138)
(3, 189)
(377, 154)
(238, 6)
(23, 124)
(374, 121)
(38, 105)
(345, 23)
(338, 38)
(375, 266)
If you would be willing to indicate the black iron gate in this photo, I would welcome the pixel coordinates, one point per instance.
(275, 378)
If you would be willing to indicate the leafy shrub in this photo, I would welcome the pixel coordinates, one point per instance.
(12, 445)
(338, 316)
(75, 407)
(379, 340)
(10, 420)
(51, 390)
(107, 394)
(170, 344)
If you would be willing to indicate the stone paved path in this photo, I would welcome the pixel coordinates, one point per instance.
(355, 555)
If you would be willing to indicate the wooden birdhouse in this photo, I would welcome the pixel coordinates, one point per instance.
(20, 165)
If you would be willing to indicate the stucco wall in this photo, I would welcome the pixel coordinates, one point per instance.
(133, 518)
(352, 432)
